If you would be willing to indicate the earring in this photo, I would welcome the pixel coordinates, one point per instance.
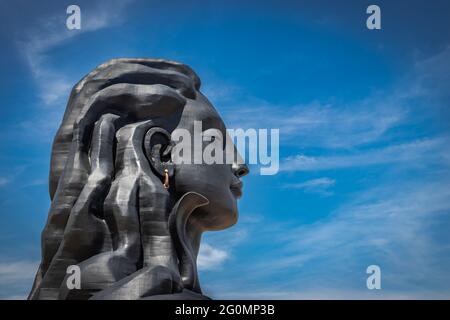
(166, 178)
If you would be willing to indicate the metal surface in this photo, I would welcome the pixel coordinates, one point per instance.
(111, 214)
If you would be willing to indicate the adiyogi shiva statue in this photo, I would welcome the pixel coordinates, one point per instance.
(127, 211)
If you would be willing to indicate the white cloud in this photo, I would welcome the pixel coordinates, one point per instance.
(323, 125)
(320, 186)
(13, 173)
(433, 74)
(417, 153)
(16, 278)
(393, 225)
(218, 92)
(329, 294)
(400, 223)
(15, 297)
(54, 86)
(16, 271)
(42, 127)
(4, 181)
(331, 125)
(210, 257)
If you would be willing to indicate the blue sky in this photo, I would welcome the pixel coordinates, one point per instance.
(364, 132)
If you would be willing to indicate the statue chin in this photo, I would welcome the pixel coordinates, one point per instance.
(210, 219)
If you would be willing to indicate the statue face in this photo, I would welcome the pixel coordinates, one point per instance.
(220, 183)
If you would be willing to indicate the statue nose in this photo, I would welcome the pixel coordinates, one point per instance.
(240, 170)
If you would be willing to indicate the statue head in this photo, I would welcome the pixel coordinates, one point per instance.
(128, 204)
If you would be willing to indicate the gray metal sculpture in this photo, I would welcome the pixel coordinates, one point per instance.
(122, 210)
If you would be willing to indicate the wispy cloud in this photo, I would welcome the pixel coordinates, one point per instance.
(4, 181)
(396, 227)
(210, 257)
(330, 294)
(417, 153)
(17, 271)
(16, 278)
(320, 186)
(53, 85)
(36, 45)
(389, 226)
(332, 125)
(15, 297)
(399, 221)
(433, 75)
(12, 174)
(323, 125)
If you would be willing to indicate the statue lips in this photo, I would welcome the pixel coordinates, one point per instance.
(236, 188)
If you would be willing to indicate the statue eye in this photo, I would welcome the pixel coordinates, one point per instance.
(212, 135)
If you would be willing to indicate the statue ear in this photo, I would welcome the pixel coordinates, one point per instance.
(158, 148)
